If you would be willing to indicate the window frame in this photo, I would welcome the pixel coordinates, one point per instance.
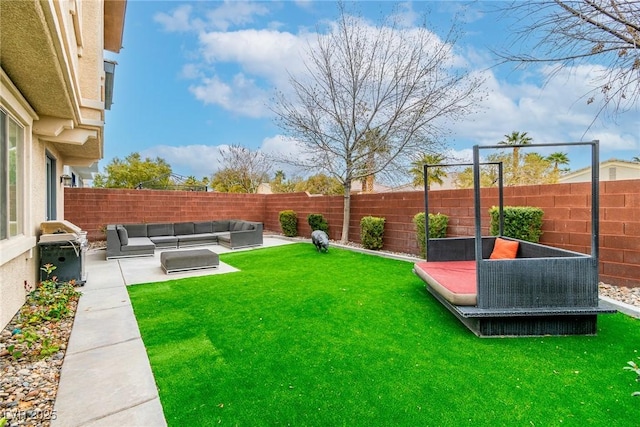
(18, 109)
(11, 171)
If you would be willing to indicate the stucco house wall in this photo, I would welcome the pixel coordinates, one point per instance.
(610, 170)
(52, 89)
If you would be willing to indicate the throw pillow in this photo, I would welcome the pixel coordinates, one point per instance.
(504, 249)
(123, 235)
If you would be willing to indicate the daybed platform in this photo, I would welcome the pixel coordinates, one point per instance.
(543, 291)
(498, 286)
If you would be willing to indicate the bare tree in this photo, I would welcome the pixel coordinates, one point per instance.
(398, 83)
(571, 33)
(242, 170)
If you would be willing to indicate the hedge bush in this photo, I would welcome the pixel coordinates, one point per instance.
(437, 228)
(520, 222)
(371, 232)
(289, 223)
(317, 222)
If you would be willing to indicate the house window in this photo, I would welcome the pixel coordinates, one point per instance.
(11, 166)
(52, 204)
(612, 174)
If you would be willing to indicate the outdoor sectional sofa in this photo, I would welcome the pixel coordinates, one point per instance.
(128, 240)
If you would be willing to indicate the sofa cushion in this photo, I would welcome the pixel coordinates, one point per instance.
(204, 237)
(219, 226)
(236, 226)
(455, 281)
(139, 243)
(165, 241)
(247, 226)
(136, 230)
(182, 228)
(202, 227)
(154, 230)
(123, 235)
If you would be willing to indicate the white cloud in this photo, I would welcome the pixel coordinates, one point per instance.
(551, 113)
(226, 15)
(204, 160)
(196, 160)
(178, 21)
(241, 95)
(405, 16)
(280, 145)
(556, 111)
(614, 141)
(235, 13)
(464, 155)
(191, 71)
(265, 53)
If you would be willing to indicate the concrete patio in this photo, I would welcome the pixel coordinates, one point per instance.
(106, 377)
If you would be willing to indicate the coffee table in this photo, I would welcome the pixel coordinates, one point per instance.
(185, 260)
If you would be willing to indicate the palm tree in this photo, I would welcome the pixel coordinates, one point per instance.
(558, 158)
(372, 146)
(516, 138)
(435, 174)
(636, 159)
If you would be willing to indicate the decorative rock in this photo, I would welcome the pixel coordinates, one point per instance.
(28, 385)
(620, 293)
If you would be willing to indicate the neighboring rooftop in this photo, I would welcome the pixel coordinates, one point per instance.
(610, 170)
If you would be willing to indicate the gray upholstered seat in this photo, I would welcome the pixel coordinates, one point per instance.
(191, 259)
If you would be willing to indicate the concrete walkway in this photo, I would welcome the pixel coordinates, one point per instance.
(106, 378)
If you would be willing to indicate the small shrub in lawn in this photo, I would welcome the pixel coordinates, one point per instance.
(371, 232)
(289, 223)
(520, 222)
(633, 367)
(437, 228)
(317, 222)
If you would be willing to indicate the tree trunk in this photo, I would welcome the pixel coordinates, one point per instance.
(346, 214)
(368, 180)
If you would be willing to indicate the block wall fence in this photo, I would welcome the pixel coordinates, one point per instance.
(566, 222)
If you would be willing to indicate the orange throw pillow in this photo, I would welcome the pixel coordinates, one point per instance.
(504, 249)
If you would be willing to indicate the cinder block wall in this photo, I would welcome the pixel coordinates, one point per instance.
(566, 223)
(93, 208)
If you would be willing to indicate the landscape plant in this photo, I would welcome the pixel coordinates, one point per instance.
(372, 232)
(633, 367)
(317, 222)
(520, 222)
(437, 228)
(50, 302)
(276, 345)
(289, 223)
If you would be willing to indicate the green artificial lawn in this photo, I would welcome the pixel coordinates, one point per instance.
(309, 339)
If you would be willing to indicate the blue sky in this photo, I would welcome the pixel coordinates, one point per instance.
(196, 76)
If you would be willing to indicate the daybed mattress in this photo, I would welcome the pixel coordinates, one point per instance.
(454, 280)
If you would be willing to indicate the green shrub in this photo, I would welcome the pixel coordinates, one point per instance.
(520, 222)
(317, 222)
(371, 231)
(437, 228)
(289, 223)
(49, 303)
(633, 367)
